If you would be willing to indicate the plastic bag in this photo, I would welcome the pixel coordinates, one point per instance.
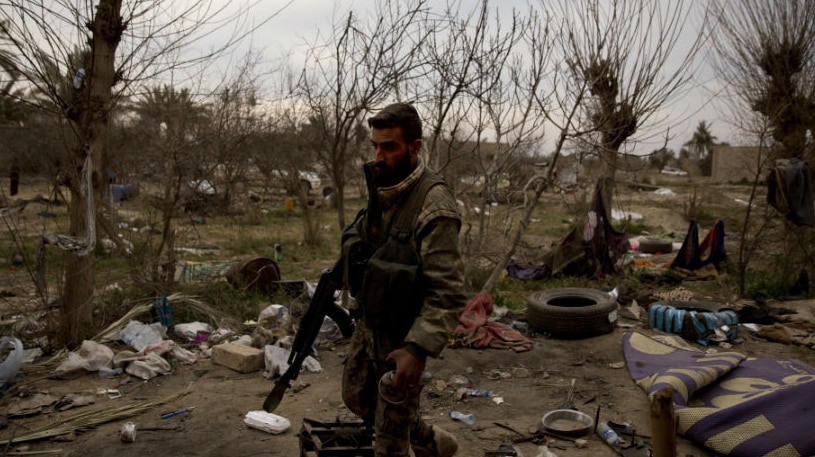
(10, 366)
(276, 362)
(91, 356)
(191, 329)
(139, 335)
(274, 316)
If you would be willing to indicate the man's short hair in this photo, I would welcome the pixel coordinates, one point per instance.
(399, 115)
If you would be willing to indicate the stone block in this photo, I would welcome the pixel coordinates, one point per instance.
(238, 357)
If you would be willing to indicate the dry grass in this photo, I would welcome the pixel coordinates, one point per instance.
(254, 230)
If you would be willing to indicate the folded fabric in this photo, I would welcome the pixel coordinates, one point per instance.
(477, 331)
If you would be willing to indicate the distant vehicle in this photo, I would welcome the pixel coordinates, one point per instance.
(310, 180)
(673, 171)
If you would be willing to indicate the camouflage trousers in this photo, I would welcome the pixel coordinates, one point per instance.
(394, 415)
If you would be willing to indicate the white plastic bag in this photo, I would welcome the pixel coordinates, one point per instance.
(267, 422)
(190, 330)
(139, 335)
(91, 356)
(276, 362)
(274, 316)
(10, 366)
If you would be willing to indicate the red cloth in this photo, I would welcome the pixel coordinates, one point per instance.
(476, 331)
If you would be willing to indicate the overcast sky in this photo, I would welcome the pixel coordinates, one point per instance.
(299, 22)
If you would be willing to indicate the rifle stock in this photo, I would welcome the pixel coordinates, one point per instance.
(321, 305)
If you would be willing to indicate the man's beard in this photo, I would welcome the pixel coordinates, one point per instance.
(389, 177)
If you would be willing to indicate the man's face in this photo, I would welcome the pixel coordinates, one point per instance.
(394, 158)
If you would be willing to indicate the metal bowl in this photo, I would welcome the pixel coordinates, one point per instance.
(567, 422)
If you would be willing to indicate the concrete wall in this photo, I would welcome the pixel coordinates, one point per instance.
(734, 163)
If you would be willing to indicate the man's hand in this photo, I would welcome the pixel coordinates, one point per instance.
(409, 369)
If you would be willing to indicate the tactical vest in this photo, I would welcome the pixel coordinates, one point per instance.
(392, 290)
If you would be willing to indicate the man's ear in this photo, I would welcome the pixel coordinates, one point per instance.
(415, 147)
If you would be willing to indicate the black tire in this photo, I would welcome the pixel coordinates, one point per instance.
(572, 312)
(649, 246)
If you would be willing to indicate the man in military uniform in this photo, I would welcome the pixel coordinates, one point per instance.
(404, 269)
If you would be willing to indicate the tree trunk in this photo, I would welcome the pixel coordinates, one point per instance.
(92, 126)
(540, 185)
(339, 204)
(608, 171)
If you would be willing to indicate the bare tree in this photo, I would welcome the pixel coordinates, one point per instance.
(353, 73)
(628, 53)
(119, 45)
(235, 117)
(173, 128)
(765, 56)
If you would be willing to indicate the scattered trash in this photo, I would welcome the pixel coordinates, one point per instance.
(607, 434)
(694, 325)
(498, 400)
(10, 366)
(177, 412)
(144, 366)
(616, 365)
(274, 316)
(458, 380)
(468, 419)
(276, 362)
(128, 432)
(267, 422)
(478, 393)
(139, 335)
(522, 327)
(91, 356)
(105, 372)
(113, 394)
(569, 403)
(72, 400)
(567, 422)
(496, 374)
(581, 443)
(33, 405)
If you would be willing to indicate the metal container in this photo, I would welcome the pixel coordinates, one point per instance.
(567, 422)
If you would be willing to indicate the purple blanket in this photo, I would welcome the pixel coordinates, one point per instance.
(727, 402)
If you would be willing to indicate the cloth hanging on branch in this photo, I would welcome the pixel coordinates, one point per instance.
(694, 255)
(594, 249)
(789, 190)
(79, 246)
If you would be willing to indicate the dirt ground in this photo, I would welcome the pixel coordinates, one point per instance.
(530, 383)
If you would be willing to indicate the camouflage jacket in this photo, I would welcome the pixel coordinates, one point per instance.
(441, 268)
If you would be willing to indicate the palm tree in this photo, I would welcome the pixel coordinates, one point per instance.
(171, 122)
(11, 107)
(701, 146)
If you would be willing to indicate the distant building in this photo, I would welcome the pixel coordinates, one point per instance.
(735, 163)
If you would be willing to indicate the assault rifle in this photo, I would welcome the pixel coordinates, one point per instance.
(322, 304)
